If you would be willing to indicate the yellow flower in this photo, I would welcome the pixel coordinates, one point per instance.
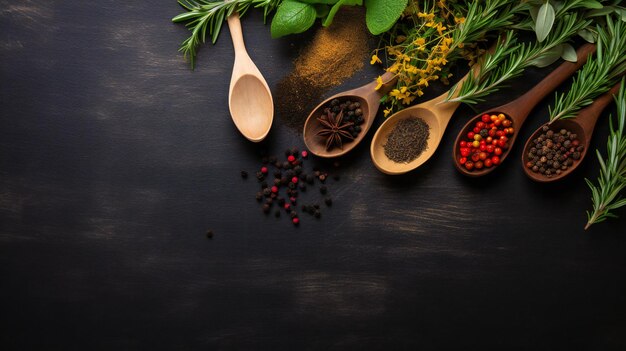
(440, 28)
(419, 93)
(427, 16)
(379, 82)
(423, 82)
(394, 93)
(375, 59)
(459, 19)
(393, 68)
(420, 41)
(387, 111)
(408, 99)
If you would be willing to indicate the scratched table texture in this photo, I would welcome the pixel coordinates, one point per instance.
(116, 158)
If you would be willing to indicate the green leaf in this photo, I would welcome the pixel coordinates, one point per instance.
(592, 4)
(292, 17)
(621, 12)
(381, 15)
(548, 57)
(603, 11)
(321, 10)
(587, 35)
(545, 20)
(569, 53)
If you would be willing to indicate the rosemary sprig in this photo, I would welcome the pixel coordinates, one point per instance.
(511, 58)
(598, 74)
(607, 195)
(207, 15)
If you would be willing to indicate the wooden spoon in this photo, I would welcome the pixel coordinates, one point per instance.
(249, 99)
(367, 96)
(519, 109)
(436, 113)
(583, 126)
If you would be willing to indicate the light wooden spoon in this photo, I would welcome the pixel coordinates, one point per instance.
(436, 113)
(249, 98)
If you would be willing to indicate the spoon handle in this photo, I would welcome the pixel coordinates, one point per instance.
(588, 116)
(234, 25)
(522, 106)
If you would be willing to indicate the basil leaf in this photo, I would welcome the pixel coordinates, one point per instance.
(545, 20)
(292, 17)
(381, 15)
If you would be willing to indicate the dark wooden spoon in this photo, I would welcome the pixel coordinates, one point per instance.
(583, 126)
(519, 109)
(367, 96)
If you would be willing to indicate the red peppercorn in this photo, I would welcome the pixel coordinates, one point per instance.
(470, 135)
(506, 123)
(492, 132)
(490, 148)
(476, 130)
(274, 189)
(294, 180)
(469, 165)
(482, 156)
(305, 154)
(462, 160)
(478, 164)
(497, 151)
(488, 163)
(480, 125)
(475, 156)
(495, 160)
(483, 147)
(463, 143)
(485, 118)
(291, 158)
(293, 200)
(502, 143)
(287, 206)
(264, 170)
(296, 221)
(465, 151)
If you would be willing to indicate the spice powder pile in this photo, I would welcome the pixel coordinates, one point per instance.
(407, 140)
(334, 55)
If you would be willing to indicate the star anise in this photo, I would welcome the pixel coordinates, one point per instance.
(334, 130)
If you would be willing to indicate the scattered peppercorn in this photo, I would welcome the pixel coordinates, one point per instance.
(209, 234)
(328, 201)
(244, 174)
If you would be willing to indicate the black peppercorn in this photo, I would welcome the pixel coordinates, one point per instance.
(259, 196)
(244, 174)
(328, 201)
(317, 214)
(266, 208)
(277, 213)
(323, 189)
(209, 234)
(293, 214)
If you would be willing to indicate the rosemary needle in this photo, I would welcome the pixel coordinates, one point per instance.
(607, 195)
(598, 74)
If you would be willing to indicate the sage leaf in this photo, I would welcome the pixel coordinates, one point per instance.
(545, 20)
(381, 15)
(601, 12)
(292, 17)
(587, 35)
(569, 53)
(549, 57)
(592, 4)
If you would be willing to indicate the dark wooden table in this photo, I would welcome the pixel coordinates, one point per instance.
(115, 159)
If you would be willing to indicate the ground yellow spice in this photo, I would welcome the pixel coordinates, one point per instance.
(334, 54)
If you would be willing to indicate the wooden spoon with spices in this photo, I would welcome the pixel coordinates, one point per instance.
(518, 110)
(367, 96)
(582, 126)
(249, 98)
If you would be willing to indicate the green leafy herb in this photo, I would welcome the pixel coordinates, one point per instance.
(292, 17)
(544, 22)
(205, 15)
(607, 194)
(598, 74)
(511, 58)
(382, 14)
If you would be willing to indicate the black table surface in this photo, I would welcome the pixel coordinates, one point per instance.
(116, 158)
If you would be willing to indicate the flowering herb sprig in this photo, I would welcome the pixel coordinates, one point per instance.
(607, 195)
(433, 34)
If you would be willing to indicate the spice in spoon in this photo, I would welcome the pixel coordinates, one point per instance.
(553, 152)
(486, 142)
(341, 122)
(408, 140)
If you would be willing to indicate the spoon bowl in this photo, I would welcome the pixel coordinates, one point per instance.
(435, 113)
(249, 98)
(518, 110)
(367, 96)
(582, 125)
